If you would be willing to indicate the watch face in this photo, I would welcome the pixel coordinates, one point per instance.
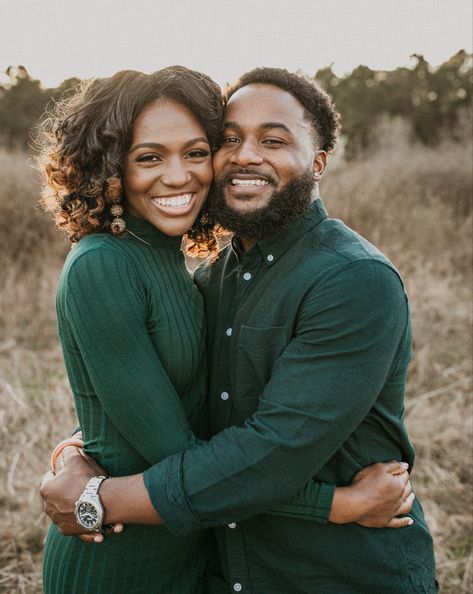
(87, 514)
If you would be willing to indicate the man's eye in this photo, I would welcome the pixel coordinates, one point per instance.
(230, 140)
(273, 141)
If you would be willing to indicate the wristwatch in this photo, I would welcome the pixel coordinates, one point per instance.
(89, 510)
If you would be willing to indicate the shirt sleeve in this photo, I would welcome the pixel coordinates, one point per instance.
(105, 307)
(346, 345)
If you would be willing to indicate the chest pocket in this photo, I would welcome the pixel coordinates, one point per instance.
(258, 349)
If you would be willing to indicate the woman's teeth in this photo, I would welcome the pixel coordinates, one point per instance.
(181, 200)
(249, 182)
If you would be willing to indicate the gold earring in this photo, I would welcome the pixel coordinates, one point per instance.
(117, 225)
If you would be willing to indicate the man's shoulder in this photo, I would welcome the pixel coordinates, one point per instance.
(339, 242)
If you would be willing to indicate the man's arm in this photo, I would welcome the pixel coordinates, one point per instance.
(341, 374)
(379, 493)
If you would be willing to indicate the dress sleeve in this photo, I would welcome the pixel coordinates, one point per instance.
(350, 331)
(104, 304)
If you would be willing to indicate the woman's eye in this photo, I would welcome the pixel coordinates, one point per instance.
(230, 140)
(198, 154)
(148, 158)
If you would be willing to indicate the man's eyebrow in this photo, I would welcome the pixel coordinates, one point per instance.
(263, 126)
(269, 125)
(156, 145)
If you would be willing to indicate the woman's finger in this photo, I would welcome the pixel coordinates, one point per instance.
(396, 467)
(91, 538)
(400, 522)
(406, 505)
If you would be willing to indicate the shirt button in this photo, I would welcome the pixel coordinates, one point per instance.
(224, 395)
(237, 587)
(270, 257)
(247, 275)
(232, 525)
(228, 331)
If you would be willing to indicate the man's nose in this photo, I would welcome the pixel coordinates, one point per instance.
(176, 174)
(247, 153)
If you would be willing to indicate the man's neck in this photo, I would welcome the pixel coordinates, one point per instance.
(248, 242)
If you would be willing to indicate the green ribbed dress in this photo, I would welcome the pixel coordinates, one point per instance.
(131, 327)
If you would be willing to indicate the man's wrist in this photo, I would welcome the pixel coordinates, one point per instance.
(125, 501)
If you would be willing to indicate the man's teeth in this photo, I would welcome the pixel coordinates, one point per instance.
(249, 182)
(182, 200)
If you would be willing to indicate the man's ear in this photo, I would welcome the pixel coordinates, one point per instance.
(319, 164)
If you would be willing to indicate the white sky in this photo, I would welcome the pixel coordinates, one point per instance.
(57, 39)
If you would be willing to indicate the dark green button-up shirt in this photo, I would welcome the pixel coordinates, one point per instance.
(310, 342)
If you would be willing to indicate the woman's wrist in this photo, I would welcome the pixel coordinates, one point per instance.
(57, 457)
(345, 506)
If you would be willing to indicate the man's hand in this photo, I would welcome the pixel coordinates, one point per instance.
(377, 495)
(61, 491)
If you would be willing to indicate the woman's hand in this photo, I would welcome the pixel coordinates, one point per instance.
(61, 490)
(377, 495)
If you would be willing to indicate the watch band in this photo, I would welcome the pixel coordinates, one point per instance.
(93, 486)
(90, 497)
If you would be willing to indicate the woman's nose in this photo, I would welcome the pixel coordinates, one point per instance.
(176, 174)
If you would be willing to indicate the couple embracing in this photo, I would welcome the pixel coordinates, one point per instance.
(244, 426)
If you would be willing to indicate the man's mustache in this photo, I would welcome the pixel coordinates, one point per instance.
(226, 179)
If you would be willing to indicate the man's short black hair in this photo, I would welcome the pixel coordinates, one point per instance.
(319, 108)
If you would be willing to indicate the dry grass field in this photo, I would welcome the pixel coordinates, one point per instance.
(413, 202)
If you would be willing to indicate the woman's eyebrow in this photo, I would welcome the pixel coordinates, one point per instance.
(161, 146)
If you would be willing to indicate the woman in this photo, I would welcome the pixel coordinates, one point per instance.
(130, 319)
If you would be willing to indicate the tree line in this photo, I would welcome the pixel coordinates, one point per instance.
(435, 101)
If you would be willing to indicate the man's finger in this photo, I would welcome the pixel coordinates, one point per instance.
(400, 522)
(396, 467)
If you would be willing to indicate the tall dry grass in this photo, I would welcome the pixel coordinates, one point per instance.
(412, 202)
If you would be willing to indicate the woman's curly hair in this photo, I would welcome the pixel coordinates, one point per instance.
(86, 136)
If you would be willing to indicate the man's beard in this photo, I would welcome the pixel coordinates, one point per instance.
(284, 208)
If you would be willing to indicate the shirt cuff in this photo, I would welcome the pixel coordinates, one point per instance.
(313, 503)
(165, 486)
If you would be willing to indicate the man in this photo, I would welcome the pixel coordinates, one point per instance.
(310, 336)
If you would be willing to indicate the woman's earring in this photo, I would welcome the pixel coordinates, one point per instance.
(117, 225)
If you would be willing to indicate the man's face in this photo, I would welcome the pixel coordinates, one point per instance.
(267, 144)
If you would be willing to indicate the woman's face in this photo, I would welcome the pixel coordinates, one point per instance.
(168, 169)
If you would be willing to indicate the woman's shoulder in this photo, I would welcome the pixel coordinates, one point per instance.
(98, 253)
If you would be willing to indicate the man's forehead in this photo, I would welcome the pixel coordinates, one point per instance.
(264, 101)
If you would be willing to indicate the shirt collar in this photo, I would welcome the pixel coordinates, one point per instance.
(274, 246)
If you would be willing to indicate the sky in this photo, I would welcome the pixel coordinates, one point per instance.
(58, 39)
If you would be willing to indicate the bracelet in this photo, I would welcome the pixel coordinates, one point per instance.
(61, 446)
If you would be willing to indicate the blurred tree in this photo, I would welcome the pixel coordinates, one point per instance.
(22, 102)
(432, 101)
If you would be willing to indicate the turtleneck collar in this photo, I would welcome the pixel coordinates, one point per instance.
(148, 233)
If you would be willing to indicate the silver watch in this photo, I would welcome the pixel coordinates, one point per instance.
(89, 509)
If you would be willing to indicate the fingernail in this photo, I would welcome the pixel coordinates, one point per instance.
(410, 522)
(98, 538)
(405, 465)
